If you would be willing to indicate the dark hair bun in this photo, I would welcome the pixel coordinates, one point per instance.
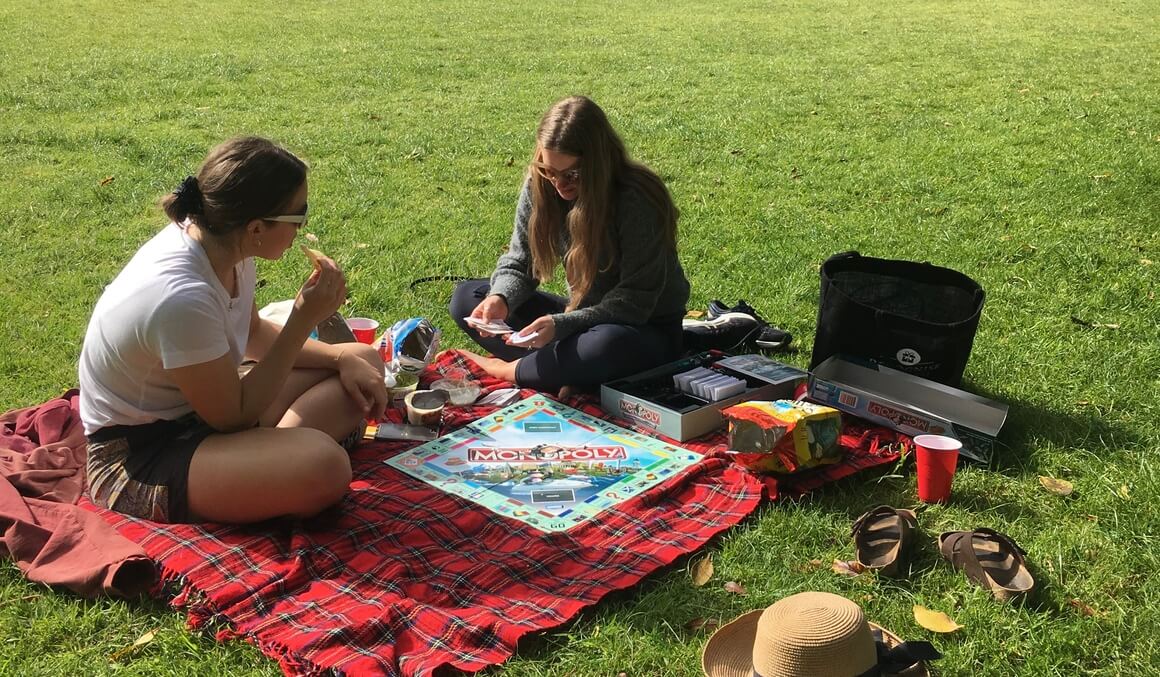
(187, 196)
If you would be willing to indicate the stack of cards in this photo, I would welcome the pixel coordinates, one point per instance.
(708, 384)
(493, 327)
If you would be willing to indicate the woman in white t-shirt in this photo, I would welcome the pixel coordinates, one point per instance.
(177, 433)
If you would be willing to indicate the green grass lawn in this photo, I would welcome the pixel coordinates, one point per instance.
(1018, 142)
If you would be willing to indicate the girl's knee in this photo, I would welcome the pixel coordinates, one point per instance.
(367, 353)
(324, 471)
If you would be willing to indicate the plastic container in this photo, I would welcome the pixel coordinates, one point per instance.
(460, 391)
(402, 384)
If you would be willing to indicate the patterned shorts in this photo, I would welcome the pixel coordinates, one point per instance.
(143, 470)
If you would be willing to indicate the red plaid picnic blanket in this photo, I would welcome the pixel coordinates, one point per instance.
(402, 578)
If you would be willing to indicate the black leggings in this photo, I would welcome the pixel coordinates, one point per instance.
(585, 359)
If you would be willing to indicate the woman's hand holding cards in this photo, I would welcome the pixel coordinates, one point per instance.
(489, 318)
(536, 335)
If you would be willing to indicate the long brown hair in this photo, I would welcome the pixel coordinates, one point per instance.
(577, 126)
(242, 179)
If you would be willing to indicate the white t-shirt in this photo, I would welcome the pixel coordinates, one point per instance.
(166, 309)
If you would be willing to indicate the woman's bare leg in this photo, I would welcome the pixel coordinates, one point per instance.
(290, 464)
(266, 472)
(315, 398)
(494, 366)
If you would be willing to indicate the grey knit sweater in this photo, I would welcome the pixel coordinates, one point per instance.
(645, 281)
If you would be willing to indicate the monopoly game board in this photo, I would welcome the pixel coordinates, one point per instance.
(544, 463)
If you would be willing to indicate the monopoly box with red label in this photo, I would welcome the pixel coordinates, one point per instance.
(909, 404)
(656, 401)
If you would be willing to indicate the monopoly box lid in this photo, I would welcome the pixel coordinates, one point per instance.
(908, 403)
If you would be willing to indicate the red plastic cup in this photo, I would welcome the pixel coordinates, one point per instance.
(935, 459)
(363, 328)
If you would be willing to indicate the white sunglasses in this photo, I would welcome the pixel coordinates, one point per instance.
(299, 219)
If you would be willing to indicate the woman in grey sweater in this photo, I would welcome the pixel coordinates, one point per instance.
(613, 225)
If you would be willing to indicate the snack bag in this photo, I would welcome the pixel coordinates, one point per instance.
(409, 345)
(783, 436)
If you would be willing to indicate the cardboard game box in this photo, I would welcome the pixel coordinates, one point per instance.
(909, 404)
(651, 400)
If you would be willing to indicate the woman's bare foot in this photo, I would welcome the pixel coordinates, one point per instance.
(494, 366)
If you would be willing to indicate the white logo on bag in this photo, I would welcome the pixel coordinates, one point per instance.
(908, 357)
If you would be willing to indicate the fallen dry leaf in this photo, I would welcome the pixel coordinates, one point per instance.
(141, 641)
(361, 245)
(1145, 262)
(699, 623)
(735, 588)
(1123, 492)
(311, 236)
(702, 570)
(1095, 325)
(847, 567)
(935, 621)
(694, 314)
(106, 181)
(1083, 607)
(1056, 486)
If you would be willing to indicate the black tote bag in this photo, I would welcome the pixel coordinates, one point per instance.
(914, 317)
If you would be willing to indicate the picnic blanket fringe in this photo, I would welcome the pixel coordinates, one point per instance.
(201, 616)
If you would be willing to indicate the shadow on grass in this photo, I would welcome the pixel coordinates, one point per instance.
(1029, 425)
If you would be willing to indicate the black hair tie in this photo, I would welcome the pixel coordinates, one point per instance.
(188, 196)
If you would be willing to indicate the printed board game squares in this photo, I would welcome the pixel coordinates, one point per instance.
(538, 457)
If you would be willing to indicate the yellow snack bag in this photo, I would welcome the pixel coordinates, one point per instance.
(783, 436)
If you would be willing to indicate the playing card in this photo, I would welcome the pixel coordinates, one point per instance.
(517, 339)
(494, 327)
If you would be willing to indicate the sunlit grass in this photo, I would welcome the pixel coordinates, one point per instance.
(1017, 142)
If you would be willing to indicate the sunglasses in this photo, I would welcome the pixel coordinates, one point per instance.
(566, 178)
(299, 219)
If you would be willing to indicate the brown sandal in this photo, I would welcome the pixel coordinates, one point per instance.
(990, 559)
(883, 538)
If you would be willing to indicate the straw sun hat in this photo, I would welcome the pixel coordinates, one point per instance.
(810, 634)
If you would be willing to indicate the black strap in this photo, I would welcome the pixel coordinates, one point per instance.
(892, 660)
(439, 278)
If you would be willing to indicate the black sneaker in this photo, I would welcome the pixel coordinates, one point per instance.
(768, 337)
(718, 308)
(772, 338)
(724, 332)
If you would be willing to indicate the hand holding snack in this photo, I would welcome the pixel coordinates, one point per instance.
(314, 255)
(324, 291)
